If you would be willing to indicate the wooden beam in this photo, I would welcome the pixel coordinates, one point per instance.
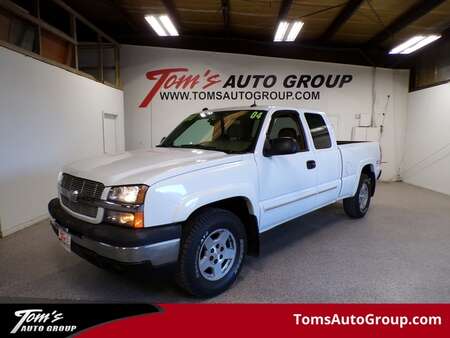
(117, 66)
(173, 13)
(13, 8)
(226, 14)
(115, 4)
(289, 50)
(73, 31)
(345, 14)
(100, 60)
(94, 44)
(63, 5)
(39, 30)
(416, 11)
(283, 12)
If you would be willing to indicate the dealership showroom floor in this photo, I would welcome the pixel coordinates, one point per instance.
(398, 253)
(191, 131)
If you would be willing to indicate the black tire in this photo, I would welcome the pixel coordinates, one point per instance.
(197, 230)
(352, 205)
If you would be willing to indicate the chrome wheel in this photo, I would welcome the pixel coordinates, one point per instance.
(217, 254)
(363, 196)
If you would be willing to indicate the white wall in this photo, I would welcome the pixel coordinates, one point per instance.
(426, 160)
(48, 117)
(146, 126)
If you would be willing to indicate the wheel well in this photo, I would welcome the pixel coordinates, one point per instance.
(242, 208)
(369, 171)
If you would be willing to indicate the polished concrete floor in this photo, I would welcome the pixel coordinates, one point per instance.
(399, 253)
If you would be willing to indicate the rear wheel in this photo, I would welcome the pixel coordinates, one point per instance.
(211, 252)
(357, 206)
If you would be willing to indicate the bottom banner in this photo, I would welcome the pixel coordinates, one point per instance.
(285, 320)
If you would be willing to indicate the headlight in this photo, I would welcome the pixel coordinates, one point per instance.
(133, 194)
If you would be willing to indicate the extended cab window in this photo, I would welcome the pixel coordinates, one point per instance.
(319, 130)
(287, 124)
(228, 131)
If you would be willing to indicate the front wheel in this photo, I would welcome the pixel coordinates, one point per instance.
(357, 206)
(211, 253)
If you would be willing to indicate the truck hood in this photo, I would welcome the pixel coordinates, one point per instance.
(146, 166)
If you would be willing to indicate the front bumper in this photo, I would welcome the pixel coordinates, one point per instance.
(155, 245)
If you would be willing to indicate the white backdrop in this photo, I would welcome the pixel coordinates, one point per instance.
(426, 160)
(48, 118)
(383, 90)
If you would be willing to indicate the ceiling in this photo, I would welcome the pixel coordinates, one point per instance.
(367, 27)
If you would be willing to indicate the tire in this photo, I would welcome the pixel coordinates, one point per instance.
(202, 272)
(357, 207)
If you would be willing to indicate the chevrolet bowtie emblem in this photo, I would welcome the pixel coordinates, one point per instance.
(74, 196)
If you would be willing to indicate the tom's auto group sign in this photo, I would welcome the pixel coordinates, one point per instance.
(182, 84)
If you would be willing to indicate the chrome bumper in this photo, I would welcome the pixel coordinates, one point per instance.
(157, 253)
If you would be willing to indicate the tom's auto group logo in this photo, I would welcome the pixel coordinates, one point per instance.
(37, 320)
(181, 84)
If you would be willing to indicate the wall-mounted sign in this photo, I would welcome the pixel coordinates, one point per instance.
(178, 84)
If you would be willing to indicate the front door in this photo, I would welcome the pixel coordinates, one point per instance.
(287, 182)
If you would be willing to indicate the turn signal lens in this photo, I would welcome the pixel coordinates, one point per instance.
(138, 220)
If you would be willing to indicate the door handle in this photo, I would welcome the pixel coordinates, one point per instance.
(310, 164)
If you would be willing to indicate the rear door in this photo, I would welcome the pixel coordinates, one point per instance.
(328, 158)
(287, 182)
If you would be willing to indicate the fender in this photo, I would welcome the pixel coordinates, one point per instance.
(198, 200)
(362, 164)
(173, 200)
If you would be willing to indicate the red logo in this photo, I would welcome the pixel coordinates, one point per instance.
(178, 78)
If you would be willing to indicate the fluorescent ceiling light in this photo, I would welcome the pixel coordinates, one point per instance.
(162, 25)
(287, 31)
(422, 43)
(295, 29)
(168, 25)
(414, 44)
(407, 44)
(155, 25)
(281, 30)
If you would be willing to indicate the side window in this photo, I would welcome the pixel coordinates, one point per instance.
(287, 124)
(319, 130)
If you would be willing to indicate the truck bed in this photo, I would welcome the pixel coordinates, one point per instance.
(354, 155)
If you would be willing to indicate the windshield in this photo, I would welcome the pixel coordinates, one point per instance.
(228, 131)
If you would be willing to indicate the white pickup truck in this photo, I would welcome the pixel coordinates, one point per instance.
(205, 195)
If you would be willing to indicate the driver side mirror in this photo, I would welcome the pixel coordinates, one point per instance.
(280, 146)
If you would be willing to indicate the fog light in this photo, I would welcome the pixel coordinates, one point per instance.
(135, 220)
(121, 218)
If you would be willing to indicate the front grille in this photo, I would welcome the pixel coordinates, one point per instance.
(86, 189)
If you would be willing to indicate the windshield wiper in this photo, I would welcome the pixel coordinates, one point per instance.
(203, 147)
(199, 146)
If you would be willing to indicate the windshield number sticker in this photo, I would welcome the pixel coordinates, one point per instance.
(256, 115)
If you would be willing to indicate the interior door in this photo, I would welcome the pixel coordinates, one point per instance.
(109, 133)
(287, 182)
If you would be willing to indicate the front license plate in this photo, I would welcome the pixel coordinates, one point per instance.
(64, 239)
